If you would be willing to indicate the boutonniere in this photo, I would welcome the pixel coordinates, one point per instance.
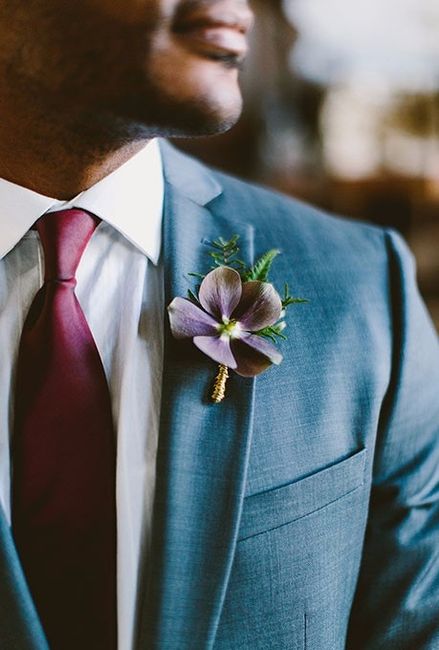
(235, 315)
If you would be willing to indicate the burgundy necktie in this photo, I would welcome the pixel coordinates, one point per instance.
(63, 453)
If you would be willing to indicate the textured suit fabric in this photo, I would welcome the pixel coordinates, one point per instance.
(303, 512)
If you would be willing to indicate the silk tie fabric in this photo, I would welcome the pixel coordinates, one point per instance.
(63, 454)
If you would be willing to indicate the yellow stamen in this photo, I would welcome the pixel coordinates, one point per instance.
(229, 328)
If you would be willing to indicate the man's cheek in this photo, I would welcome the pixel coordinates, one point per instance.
(130, 12)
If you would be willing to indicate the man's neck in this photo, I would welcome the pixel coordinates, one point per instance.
(55, 158)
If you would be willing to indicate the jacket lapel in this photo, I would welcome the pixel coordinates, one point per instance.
(19, 623)
(203, 448)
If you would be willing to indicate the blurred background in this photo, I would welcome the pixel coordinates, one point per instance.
(342, 110)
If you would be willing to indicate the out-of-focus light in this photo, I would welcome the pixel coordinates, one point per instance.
(393, 41)
(359, 141)
(350, 122)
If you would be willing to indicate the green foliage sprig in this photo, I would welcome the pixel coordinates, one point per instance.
(226, 253)
(262, 267)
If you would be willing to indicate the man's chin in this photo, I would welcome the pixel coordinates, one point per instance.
(199, 125)
(177, 119)
(207, 112)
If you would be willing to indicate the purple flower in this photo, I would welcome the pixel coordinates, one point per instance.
(224, 326)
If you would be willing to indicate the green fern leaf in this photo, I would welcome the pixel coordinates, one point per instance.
(262, 267)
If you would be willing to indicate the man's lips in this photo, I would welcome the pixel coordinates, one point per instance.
(217, 39)
(216, 30)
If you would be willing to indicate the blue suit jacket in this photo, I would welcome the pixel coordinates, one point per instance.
(302, 512)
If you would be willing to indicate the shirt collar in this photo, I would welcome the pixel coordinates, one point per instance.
(130, 199)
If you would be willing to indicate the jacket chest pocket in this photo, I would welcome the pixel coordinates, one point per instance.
(296, 561)
(283, 505)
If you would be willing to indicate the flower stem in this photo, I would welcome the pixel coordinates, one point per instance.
(219, 387)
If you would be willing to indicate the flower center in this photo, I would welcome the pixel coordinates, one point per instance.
(229, 328)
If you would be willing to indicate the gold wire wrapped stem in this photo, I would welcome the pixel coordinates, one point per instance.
(219, 387)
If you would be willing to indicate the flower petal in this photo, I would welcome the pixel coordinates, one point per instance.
(217, 348)
(260, 306)
(220, 291)
(188, 320)
(254, 354)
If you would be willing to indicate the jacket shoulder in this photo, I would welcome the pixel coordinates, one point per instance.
(290, 221)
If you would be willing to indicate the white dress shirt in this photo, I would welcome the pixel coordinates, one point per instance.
(120, 289)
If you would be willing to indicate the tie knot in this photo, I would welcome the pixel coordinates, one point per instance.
(64, 236)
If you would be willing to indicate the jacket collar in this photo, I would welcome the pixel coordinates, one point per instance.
(187, 176)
